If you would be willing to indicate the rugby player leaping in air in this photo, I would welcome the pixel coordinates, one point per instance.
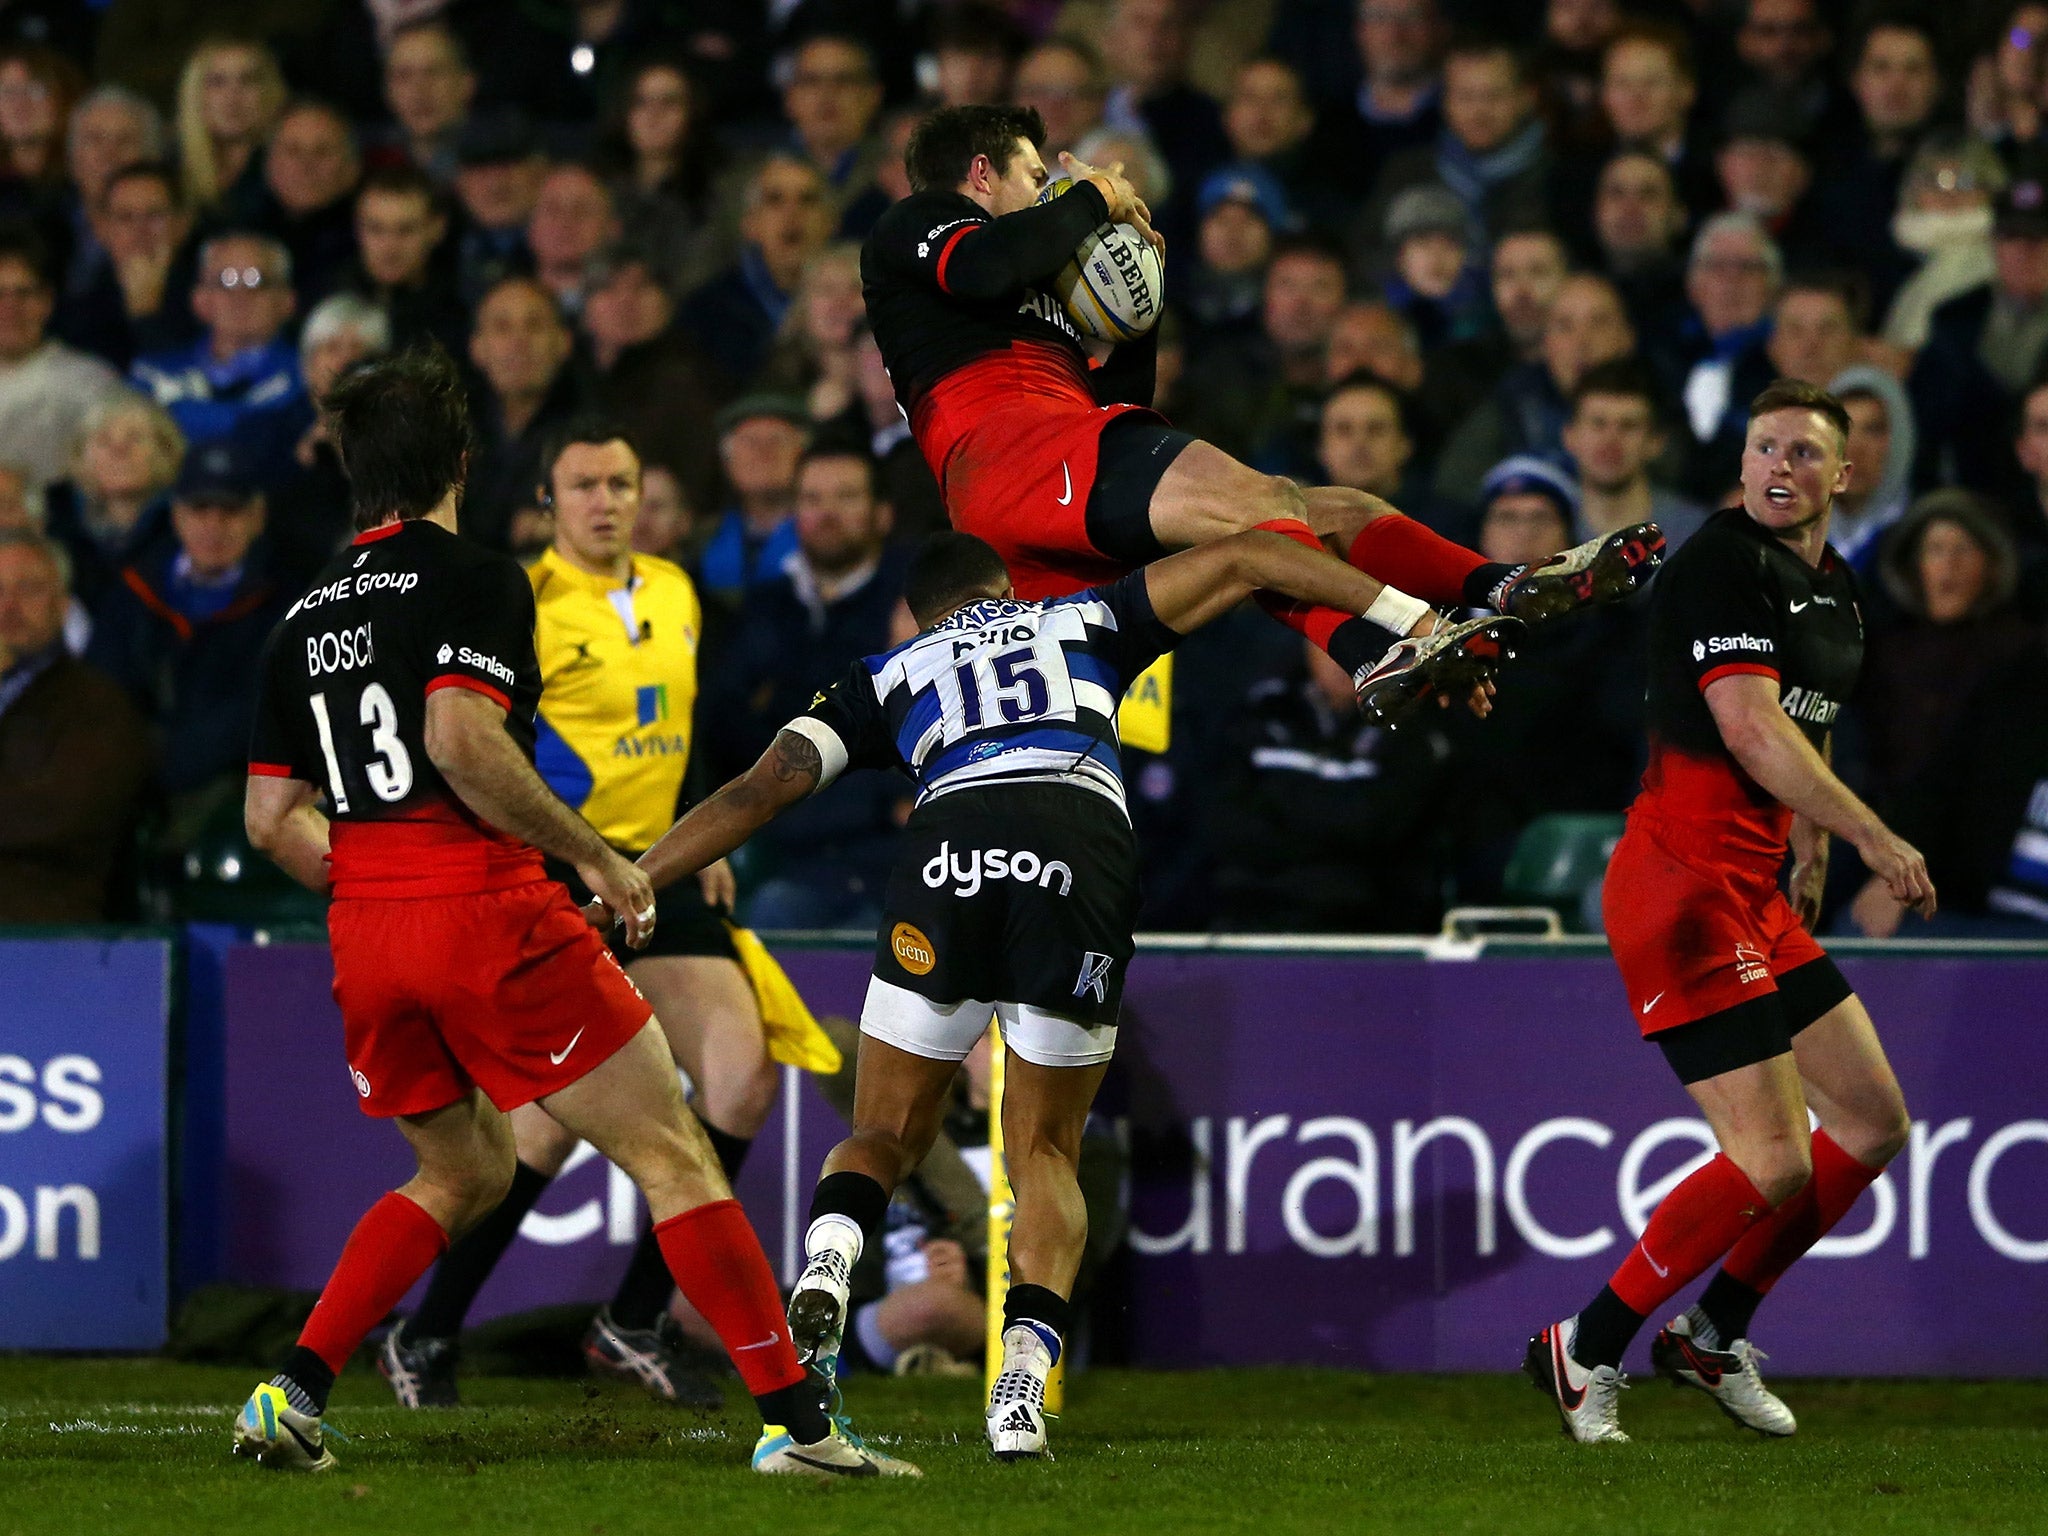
(1014, 892)
(1073, 479)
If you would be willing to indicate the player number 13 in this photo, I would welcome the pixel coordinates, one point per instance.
(390, 773)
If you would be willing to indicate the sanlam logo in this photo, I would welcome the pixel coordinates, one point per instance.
(482, 663)
(1721, 644)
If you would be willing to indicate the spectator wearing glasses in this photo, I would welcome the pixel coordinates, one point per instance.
(1064, 81)
(110, 130)
(832, 98)
(241, 378)
(655, 148)
(47, 388)
(139, 299)
(73, 754)
(1732, 279)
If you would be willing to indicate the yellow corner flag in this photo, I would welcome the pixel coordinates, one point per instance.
(794, 1038)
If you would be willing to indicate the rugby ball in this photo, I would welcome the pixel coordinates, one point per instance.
(1113, 288)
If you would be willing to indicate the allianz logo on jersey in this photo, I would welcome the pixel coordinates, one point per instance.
(1048, 309)
(968, 870)
(1810, 705)
(1702, 649)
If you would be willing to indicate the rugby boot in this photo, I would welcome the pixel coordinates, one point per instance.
(1449, 663)
(421, 1371)
(274, 1434)
(817, 1311)
(1729, 1376)
(1588, 1398)
(653, 1357)
(1603, 570)
(1016, 1406)
(840, 1454)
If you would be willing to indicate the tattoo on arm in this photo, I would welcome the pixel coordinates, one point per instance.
(795, 757)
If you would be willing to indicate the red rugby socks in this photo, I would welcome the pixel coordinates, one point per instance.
(1406, 555)
(1347, 638)
(718, 1264)
(1692, 1226)
(390, 1248)
(1770, 1247)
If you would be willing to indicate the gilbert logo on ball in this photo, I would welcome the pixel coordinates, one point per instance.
(1113, 288)
(913, 951)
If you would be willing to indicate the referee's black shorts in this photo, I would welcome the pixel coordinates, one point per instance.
(684, 923)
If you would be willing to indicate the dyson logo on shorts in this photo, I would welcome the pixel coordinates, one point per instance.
(968, 870)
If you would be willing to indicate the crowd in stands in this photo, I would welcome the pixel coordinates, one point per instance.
(1515, 265)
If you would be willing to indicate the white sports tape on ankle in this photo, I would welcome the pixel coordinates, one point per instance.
(1396, 611)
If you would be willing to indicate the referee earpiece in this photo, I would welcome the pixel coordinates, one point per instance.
(547, 498)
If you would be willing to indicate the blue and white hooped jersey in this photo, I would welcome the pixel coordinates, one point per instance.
(998, 692)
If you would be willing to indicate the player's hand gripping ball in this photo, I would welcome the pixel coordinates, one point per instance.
(1115, 286)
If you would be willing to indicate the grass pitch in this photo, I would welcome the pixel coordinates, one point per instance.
(106, 1447)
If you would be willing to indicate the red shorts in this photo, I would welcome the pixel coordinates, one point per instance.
(1695, 934)
(1012, 440)
(510, 991)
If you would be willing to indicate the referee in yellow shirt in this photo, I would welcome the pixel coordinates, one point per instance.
(617, 633)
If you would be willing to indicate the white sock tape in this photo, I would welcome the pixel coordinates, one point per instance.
(1396, 611)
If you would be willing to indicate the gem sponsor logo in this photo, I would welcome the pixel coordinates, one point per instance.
(913, 951)
(970, 869)
(339, 650)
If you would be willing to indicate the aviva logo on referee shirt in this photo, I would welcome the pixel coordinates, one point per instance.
(650, 707)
